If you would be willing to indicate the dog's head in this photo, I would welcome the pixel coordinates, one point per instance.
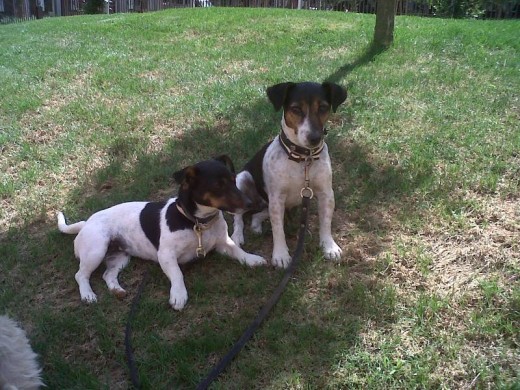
(211, 183)
(306, 108)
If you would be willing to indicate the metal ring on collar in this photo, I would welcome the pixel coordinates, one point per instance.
(307, 192)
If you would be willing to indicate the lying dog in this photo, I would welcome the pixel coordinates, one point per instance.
(171, 232)
(19, 368)
(278, 171)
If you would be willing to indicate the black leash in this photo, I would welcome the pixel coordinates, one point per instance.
(248, 333)
(262, 314)
(134, 376)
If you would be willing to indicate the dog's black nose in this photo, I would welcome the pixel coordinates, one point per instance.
(314, 138)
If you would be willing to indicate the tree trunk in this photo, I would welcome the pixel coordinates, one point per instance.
(385, 15)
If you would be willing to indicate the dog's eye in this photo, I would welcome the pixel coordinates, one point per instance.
(297, 110)
(323, 109)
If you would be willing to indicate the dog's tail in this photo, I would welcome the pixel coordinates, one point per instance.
(69, 229)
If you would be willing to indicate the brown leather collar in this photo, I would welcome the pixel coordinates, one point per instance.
(299, 153)
(203, 223)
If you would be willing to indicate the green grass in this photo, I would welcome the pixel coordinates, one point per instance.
(97, 110)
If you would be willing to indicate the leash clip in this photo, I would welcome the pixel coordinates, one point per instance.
(201, 253)
(307, 192)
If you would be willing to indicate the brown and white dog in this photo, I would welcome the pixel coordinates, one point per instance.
(172, 232)
(277, 171)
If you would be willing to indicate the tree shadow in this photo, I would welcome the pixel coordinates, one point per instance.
(370, 53)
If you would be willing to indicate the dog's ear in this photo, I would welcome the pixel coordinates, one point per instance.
(179, 176)
(226, 161)
(186, 175)
(277, 94)
(336, 94)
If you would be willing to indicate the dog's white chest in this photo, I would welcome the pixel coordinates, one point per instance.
(284, 177)
(184, 243)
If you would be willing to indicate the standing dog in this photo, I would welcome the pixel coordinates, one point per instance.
(171, 232)
(278, 171)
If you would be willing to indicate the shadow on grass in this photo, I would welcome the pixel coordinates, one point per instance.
(369, 179)
(370, 53)
(317, 321)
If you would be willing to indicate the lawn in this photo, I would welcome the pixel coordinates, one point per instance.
(97, 110)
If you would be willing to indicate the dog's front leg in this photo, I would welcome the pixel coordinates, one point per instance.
(178, 293)
(229, 248)
(331, 250)
(238, 229)
(281, 257)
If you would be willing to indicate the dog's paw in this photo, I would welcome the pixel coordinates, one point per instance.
(89, 297)
(256, 226)
(120, 293)
(282, 259)
(332, 251)
(238, 238)
(178, 299)
(254, 260)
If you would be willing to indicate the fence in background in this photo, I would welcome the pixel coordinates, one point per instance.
(21, 10)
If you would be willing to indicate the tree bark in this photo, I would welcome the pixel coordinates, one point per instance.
(385, 16)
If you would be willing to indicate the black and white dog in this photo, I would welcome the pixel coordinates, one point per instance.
(171, 232)
(277, 171)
